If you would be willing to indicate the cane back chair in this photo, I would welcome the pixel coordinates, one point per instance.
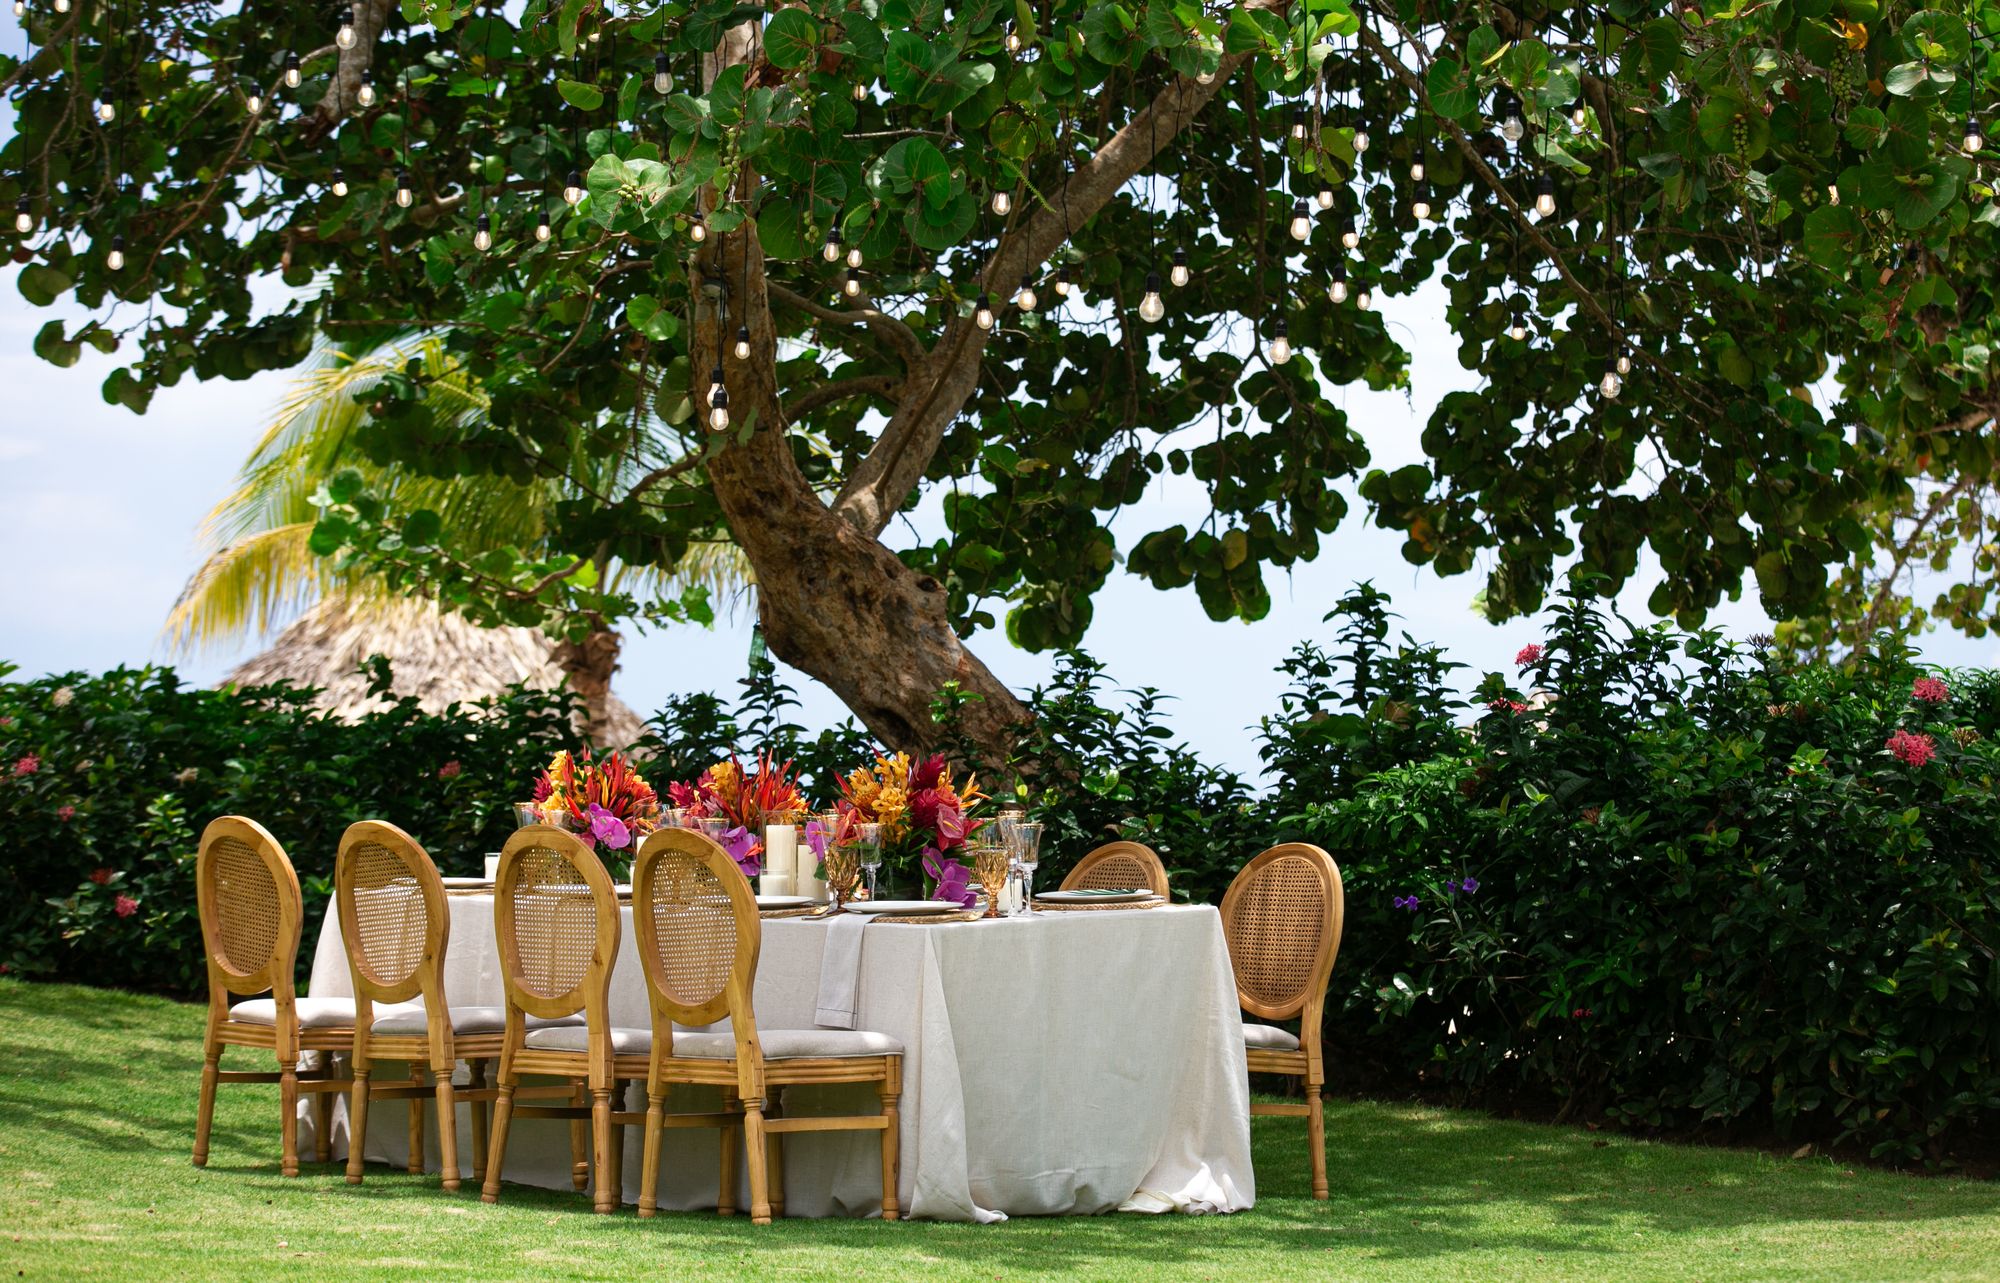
(1282, 919)
(699, 936)
(1117, 866)
(248, 896)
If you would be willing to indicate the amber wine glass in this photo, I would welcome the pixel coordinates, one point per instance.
(991, 864)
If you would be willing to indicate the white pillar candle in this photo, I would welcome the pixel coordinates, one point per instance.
(492, 866)
(775, 884)
(781, 850)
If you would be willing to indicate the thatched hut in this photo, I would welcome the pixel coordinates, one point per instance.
(435, 657)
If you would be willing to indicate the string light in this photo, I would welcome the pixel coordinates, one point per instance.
(1545, 196)
(1611, 384)
(405, 195)
(20, 8)
(1013, 40)
(344, 37)
(107, 110)
(1579, 114)
(292, 76)
(1517, 326)
(742, 343)
(1279, 350)
(1512, 127)
(1420, 203)
(1350, 236)
(1336, 285)
(982, 312)
(854, 255)
(851, 285)
(366, 94)
(1301, 226)
(1298, 122)
(482, 239)
(24, 216)
(62, 6)
(1024, 298)
(718, 408)
(1364, 298)
(831, 250)
(1416, 171)
(860, 91)
(1324, 196)
(115, 260)
(1151, 309)
(1975, 135)
(1062, 281)
(1179, 275)
(697, 227)
(542, 229)
(714, 381)
(339, 185)
(1361, 140)
(254, 103)
(1002, 202)
(1624, 362)
(662, 80)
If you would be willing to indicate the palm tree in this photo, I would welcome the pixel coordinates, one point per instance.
(260, 571)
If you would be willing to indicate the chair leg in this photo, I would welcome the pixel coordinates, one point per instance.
(618, 1097)
(579, 1143)
(357, 1124)
(288, 1119)
(323, 1125)
(600, 1150)
(447, 1112)
(496, 1149)
(754, 1154)
(892, 1139)
(774, 1161)
(1316, 1138)
(415, 1166)
(649, 1164)
(732, 1136)
(204, 1114)
(476, 1081)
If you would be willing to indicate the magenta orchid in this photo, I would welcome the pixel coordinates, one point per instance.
(953, 880)
(609, 829)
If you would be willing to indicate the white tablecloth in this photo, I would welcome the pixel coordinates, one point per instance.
(1054, 1065)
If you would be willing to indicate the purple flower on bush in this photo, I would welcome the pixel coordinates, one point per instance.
(608, 828)
(1469, 885)
(1929, 690)
(1409, 902)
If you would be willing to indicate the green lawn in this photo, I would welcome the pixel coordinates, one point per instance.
(97, 1110)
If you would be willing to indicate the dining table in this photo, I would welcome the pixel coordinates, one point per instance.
(1064, 1063)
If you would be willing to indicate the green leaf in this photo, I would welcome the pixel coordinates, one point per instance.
(789, 39)
(908, 65)
(652, 320)
(1935, 36)
(1832, 236)
(1924, 197)
(422, 528)
(1865, 127)
(52, 347)
(1452, 89)
(1659, 47)
(579, 95)
(41, 284)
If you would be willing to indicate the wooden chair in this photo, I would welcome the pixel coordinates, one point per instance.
(1117, 865)
(250, 913)
(555, 914)
(699, 935)
(396, 924)
(1282, 918)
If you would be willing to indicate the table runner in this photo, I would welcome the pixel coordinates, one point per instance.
(1060, 1064)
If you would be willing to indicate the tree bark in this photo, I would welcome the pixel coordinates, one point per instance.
(589, 664)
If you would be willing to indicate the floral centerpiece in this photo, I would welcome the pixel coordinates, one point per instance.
(747, 799)
(605, 802)
(925, 817)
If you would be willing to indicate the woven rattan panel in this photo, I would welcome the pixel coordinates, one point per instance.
(246, 905)
(1115, 873)
(695, 929)
(555, 923)
(390, 917)
(1274, 931)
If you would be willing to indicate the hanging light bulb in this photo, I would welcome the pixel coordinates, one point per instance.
(1324, 196)
(405, 194)
(254, 103)
(1579, 114)
(573, 188)
(1624, 362)
(1545, 196)
(482, 239)
(339, 184)
(1512, 127)
(854, 256)
(1361, 140)
(343, 37)
(107, 110)
(1179, 274)
(1364, 298)
(1151, 309)
(1517, 325)
(366, 94)
(292, 71)
(1611, 384)
(718, 408)
(1013, 41)
(714, 382)
(860, 91)
(662, 80)
(1024, 298)
(1416, 171)
(697, 227)
(1062, 281)
(24, 216)
(1301, 226)
(20, 8)
(982, 312)
(1299, 119)
(1336, 285)
(542, 229)
(1975, 136)
(1204, 77)
(115, 260)
(1420, 203)
(742, 348)
(1350, 236)
(1279, 349)
(1002, 202)
(62, 6)
(851, 285)
(831, 250)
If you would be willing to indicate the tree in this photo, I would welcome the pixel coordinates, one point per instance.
(1739, 202)
(261, 568)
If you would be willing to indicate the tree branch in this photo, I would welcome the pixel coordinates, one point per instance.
(884, 326)
(840, 390)
(370, 16)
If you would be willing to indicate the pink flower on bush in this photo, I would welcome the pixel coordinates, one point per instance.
(65, 813)
(28, 765)
(124, 906)
(450, 770)
(100, 876)
(1930, 690)
(1507, 706)
(1912, 749)
(1528, 654)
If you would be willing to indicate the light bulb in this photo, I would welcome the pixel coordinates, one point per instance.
(1062, 281)
(831, 250)
(254, 104)
(1975, 137)
(1361, 141)
(1578, 113)
(24, 216)
(860, 92)
(339, 186)
(1417, 171)
(1002, 202)
(742, 348)
(1421, 205)
(20, 8)
(1301, 227)
(366, 94)
(1013, 42)
(482, 240)
(851, 286)
(1336, 286)
(1624, 362)
(1324, 197)
(1364, 298)
(404, 194)
(344, 37)
(62, 6)
(1512, 127)
(1545, 196)
(573, 188)
(1024, 298)
(1350, 236)
(1151, 309)
(115, 260)
(542, 229)
(1611, 384)
(1298, 123)
(1517, 331)
(697, 227)
(1204, 77)
(662, 81)
(714, 382)
(1832, 194)
(291, 71)
(718, 409)
(854, 256)
(982, 313)
(1279, 350)
(1179, 275)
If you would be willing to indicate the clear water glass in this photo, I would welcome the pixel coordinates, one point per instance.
(1027, 846)
(868, 837)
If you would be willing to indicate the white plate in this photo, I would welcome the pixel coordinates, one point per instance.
(783, 901)
(903, 906)
(1092, 897)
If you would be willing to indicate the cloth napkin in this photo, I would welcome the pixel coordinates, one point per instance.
(1203, 1195)
(840, 972)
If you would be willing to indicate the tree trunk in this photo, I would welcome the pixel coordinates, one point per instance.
(589, 664)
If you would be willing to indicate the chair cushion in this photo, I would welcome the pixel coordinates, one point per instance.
(1269, 1037)
(313, 1013)
(624, 1042)
(408, 1021)
(792, 1044)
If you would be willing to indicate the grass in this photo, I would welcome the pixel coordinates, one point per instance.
(97, 1097)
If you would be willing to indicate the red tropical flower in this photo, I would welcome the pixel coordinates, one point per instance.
(1912, 749)
(100, 876)
(1929, 690)
(1527, 655)
(28, 765)
(124, 906)
(65, 813)
(450, 770)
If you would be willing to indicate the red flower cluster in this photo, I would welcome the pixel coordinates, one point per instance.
(1507, 706)
(1912, 749)
(1930, 690)
(1527, 655)
(100, 876)
(124, 906)
(450, 770)
(65, 813)
(28, 765)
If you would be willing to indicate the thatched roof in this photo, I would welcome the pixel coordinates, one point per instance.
(436, 657)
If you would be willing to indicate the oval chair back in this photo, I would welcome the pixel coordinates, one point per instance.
(248, 897)
(1117, 866)
(555, 918)
(1282, 920)
(698, 935)
(395, 922)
